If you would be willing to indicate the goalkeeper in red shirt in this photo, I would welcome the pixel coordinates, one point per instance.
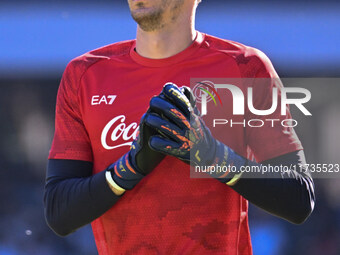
(120, 155)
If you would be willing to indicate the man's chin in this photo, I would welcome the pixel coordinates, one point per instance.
(147, 20)
(143, 13)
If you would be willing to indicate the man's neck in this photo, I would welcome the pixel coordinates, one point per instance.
(164, 43)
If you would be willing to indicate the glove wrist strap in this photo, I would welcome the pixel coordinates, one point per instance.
(229, 163)
(124, 174)
(114, 186)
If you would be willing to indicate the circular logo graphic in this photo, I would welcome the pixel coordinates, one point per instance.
(204, 87)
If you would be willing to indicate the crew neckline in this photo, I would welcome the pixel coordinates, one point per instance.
(150, 62)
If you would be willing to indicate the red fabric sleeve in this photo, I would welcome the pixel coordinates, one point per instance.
(71, 140)
(268, 142)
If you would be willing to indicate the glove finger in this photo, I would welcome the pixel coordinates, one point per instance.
(178, 98)
(188, 93)
(165, 127)
(168, 147)
(144, 132)
(170, 111)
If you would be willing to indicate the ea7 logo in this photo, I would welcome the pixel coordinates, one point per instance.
(103, 99)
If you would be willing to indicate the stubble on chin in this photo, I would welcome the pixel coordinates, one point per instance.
(148, 21)
(154, 20)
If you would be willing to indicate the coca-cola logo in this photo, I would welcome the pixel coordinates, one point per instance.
(116, 129)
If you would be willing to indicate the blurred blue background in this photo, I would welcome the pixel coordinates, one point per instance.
(38, 39)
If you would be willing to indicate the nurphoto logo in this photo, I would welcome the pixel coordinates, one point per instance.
(243, 101)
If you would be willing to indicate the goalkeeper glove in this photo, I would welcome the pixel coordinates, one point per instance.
(140, 160)
(184, 134)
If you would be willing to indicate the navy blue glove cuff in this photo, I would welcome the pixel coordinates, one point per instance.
(124, 174)
(227, 163)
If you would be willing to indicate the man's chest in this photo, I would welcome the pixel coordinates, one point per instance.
(113, 101)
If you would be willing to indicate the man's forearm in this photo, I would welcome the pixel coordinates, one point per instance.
(74, 198)
(289, 195)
